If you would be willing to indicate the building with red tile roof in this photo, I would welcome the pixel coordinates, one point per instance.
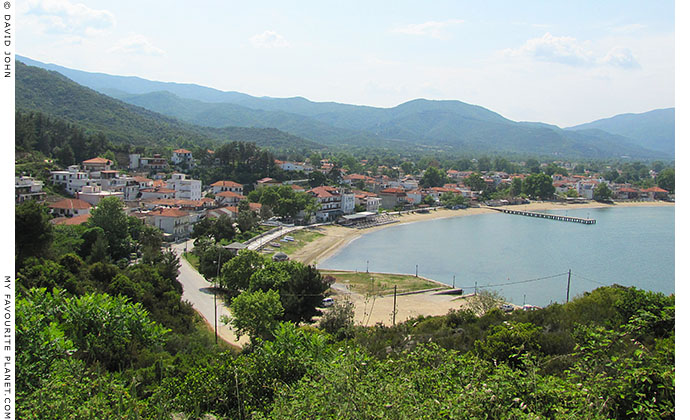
(70, 207)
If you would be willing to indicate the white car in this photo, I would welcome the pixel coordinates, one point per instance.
(327, 302)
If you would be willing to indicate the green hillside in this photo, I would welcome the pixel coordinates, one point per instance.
(54, 95)
(654, 130)
(448, 125)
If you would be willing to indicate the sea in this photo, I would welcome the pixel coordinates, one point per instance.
(526, 260)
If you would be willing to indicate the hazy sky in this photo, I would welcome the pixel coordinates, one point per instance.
(559, 62)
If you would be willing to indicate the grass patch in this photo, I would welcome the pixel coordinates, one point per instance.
(380, 283)
(192, 259)
(302, 238)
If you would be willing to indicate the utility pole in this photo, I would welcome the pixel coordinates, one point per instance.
(215, 305)
(453, 281)
(367, 266)
(395, 301)
(475, 288)
(567, 293)
(416, 270)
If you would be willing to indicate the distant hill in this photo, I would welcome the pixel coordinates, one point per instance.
(654, 130)
(55, 95)
(437, 125)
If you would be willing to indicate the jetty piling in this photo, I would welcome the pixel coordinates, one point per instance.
(547, 216)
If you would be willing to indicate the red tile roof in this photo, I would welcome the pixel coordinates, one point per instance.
(71, 204)
(169, 213)
(98, 160)
(181, 151)
(228, 184)
(76, 220)
(655, 189)
(230, 194)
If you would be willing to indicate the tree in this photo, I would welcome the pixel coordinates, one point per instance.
(539, 185)
(484, 301)
(516, 187)
(109, 215)
(255, 313)
(433, 177)
(667, 180)
(452, 199)
(317, 178)
(602, 192)
(475, 182)
(33, 230)
(407, 167)
(246, 218)
(339, 320)
(238, 271)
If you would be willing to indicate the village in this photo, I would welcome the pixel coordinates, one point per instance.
(158, 191)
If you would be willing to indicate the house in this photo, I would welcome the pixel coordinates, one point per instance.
(267, 182)
(72, 180)
(93, 194)
(182, 157)
(175, 223)
(231, 211)
(626, 193)
(97, 164)
(222, 186)
(185, 188)
(157, 192)
(229, 198)
(27, 188)
(392, 197)
(654, 193)
(70, 207)
(332, 202)
(71, 221)
(155, 163)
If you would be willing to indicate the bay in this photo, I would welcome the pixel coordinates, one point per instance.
(526, 259)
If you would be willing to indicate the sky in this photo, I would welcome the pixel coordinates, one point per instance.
(558, 62)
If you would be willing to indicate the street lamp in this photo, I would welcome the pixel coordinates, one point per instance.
(367, 266)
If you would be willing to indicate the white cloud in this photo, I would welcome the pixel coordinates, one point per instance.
(621, 57)
(66, 17)
(433, 29)
(569, 51)
(136, 44)
(269, 39)
(564, 50)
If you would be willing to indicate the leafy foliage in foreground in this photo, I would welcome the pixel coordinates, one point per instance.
(90, 338)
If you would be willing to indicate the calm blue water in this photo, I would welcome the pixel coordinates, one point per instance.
(631, 246)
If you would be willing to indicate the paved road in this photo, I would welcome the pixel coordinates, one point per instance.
(198, 292)
(256, 243)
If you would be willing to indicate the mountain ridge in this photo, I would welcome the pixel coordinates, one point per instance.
(446, 124)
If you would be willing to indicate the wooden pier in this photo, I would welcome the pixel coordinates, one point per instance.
(547, 216)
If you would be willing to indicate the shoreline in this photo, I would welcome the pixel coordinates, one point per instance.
(337, 237)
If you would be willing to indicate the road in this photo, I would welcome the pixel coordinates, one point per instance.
(198, 292)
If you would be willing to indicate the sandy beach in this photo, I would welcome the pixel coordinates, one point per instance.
(430, 303)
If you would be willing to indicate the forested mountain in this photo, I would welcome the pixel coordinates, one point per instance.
(442, 125)
(53, 95)
(654, 130)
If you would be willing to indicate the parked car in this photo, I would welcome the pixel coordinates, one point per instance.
(507, 308)
(327, 302)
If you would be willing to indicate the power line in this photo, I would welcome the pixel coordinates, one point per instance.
(585, 278)
(518, 282)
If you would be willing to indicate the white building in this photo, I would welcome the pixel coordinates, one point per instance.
(373, 204)
(27, 188)
(185, 188)
(174, 222)
(93, 194)
(72, 180)
(232, 186)
(182, 157)
(347, 202)
(70, 207)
